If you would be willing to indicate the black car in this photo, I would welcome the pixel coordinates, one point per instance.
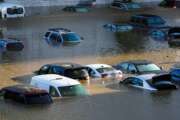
(71, 70)
(174, 36)
(26, 94)
(11, 45)
(138, 67)
(170, 3)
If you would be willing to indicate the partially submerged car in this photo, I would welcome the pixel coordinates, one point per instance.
(148, 21)
(175, 73)
(170, 3)
(58, 86)
(118, 27)
(62, 35)
(138, 67)
(126, 5)
(151, 82)
(80, 9)
(104, 71)
(71, 70)
(11, 45)
(26, 94)
(174, 36)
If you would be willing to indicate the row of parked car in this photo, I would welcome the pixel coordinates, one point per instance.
(64, 80)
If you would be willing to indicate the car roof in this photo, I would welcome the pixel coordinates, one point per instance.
(24, 89)
(146, 15)
(98, 65)
(4, 4)
(10, 40)
(55, 80)
(67, 65)
(136, 62)
(145, 77)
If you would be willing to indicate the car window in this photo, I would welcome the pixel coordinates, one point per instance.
(132, 68)
(91, 72)
(123, 66)
(147, 67)
(53, 92)
(55, 37)
(57, 70)
(137, 82)
(47, 34)
(44, 69)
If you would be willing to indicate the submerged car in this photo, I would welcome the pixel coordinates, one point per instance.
(76, 9)
(11, 45)
(174, 36)
(62, 35)
(118, 27)
(58, 86)
(170, 3)
(104, 71)
(151, 82)
(26, 94)
(71, 70)
(126, 5)
(148, 21)
(175, 73)
(138, 67)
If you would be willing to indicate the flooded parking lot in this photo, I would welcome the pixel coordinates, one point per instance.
(98, 46)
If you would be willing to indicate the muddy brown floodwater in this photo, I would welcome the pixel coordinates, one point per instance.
(107, 101)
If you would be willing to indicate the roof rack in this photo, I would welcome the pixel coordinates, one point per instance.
(60, 29)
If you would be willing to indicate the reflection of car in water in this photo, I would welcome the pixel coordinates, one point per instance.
(11, 45)
(150, 82)
(26, 94)
(118, 27)
(138, 67)
(104, 71)
(148, 21)
(170, 3)
(175, 73)
(58, 86)
(76, 9)
(174, 36)
(125, 5)
(72, 70)
(57, 36)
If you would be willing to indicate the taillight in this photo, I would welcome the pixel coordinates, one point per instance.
(104, 75)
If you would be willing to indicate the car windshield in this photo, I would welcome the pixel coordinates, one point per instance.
(71, 37)
(75, 90)
(148, 67)
(104, 69)
(155, 21)
(43, 98)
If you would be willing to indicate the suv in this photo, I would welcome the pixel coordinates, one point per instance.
(11, 45)
(72, 70)
(59, 86)
(174, 36)
(26, 94)
(147, 21)
(62, 35)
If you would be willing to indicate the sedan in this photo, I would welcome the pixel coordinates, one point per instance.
(104, 71)
(151, 82)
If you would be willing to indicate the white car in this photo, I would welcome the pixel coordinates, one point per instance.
(151, 82)
(58, 86)
(103, 71)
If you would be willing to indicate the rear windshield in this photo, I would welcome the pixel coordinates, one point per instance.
(12, 11)
(74, 73)
(104, 69)
(38, 99)
(75, 90)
